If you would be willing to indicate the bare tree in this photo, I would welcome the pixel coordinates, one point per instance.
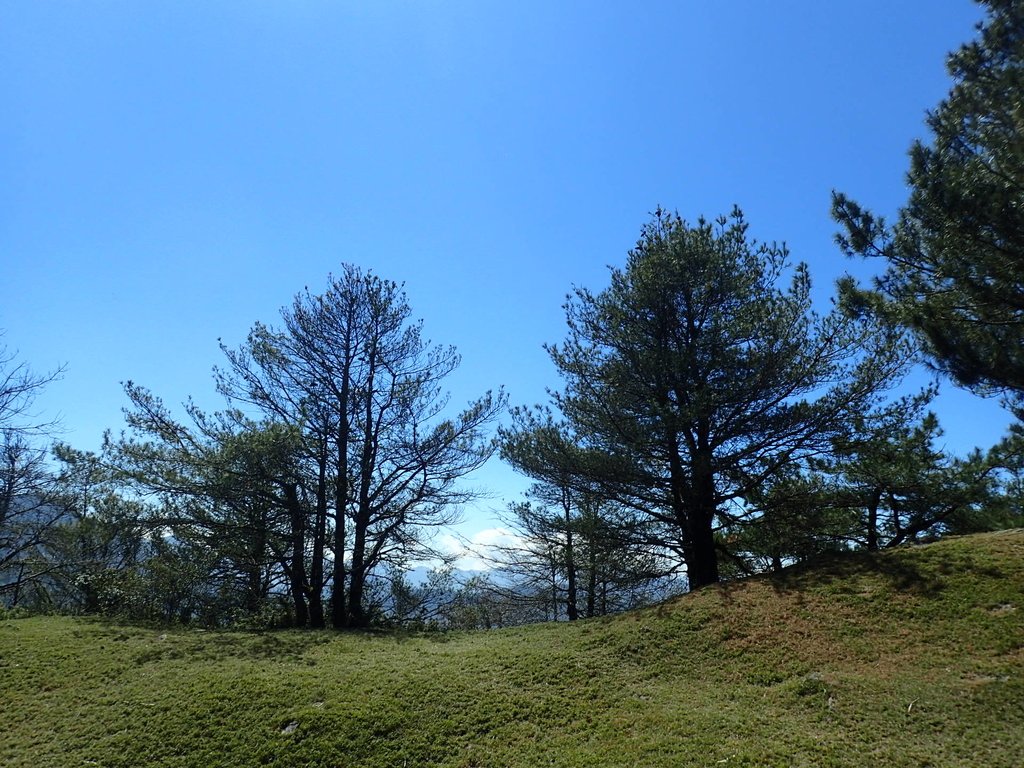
(576, 555)
(27, 508)
(19, 386)
(354, 373)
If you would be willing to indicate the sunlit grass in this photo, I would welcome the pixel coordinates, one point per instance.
(913, 658)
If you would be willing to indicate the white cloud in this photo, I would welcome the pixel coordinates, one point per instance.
(479, 551)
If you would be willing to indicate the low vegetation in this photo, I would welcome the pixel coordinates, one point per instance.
(910, 657)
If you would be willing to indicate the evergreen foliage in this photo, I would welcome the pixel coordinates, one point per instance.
(698, 376)
(955, 274)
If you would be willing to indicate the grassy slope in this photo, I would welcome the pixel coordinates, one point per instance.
(914, 658)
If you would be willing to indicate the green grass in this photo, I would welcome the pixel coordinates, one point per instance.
(911, 658)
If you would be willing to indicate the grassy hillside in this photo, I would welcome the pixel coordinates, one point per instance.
(911, 658)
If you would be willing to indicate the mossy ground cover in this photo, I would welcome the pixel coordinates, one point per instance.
(910, 658)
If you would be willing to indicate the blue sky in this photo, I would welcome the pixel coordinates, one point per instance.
(174, 171)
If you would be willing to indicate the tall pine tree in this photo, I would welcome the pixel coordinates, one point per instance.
(955, 273)
(697, 376)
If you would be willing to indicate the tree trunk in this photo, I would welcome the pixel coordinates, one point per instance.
(693, 505)
(356, 613)
(592, 580)
(316, 567)
(339, 608)
(702, 560)
(554, 585)
(254, 568)
(570, 565)
(872, 532)
(339, 587)
(297, 572)
(17, 585)
(316, 577)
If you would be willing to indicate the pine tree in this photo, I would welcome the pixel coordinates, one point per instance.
(697, 376)
(955, 274)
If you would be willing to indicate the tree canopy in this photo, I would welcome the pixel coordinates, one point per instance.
(955, 256)
(354, 457)
(697, 376)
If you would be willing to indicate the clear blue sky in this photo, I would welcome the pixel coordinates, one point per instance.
(171, 172)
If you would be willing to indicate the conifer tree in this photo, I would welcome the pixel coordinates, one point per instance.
(697, 376)
(955, 255)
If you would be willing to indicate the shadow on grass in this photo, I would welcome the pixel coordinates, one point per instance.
(196, 645)
(912, 569)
